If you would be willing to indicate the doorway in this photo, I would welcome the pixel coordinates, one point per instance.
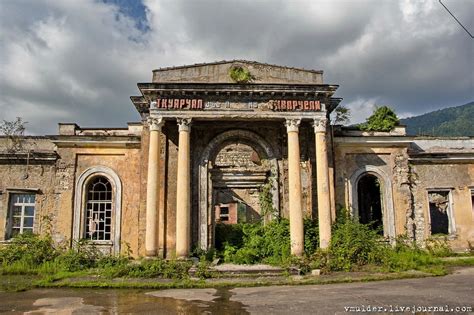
(370, 202)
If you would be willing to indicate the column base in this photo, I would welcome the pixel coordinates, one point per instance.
(150, 253)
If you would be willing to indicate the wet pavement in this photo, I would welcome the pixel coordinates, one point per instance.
(396, 296)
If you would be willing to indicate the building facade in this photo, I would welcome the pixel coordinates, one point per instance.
(210, 150)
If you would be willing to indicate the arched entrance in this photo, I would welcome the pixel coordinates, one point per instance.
(232, 169)
(370, 199)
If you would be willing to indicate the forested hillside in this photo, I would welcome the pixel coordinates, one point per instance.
(452, 121)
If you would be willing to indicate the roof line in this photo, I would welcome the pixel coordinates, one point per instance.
(234, 60)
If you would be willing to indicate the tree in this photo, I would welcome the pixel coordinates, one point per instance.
(342, 115)
(383, 119)
(14, 131)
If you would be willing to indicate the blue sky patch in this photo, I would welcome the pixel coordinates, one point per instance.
(133, 9)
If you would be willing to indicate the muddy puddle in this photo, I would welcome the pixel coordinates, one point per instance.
(110, 301)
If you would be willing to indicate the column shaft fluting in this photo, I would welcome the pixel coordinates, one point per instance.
(294, 188)
(152, 190)
(322, 182)
(183, 196)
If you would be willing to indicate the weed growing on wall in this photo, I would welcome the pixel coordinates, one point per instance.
(265, 199)
(240, 74)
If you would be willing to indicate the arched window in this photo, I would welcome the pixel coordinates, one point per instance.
(99, 209)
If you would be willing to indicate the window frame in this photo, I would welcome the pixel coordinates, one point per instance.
(11, 193)
(88, 202)
(111, 246)
(449, 212)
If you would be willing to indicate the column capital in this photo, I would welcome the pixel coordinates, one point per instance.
(184, 124)
(292, 125)
(320, 125)
(155, 123)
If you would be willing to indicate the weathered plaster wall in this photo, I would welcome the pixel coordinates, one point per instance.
(392, 161)
(457, 178)
(35, 172)
(219, 73)
(52, 174)
(41, 177)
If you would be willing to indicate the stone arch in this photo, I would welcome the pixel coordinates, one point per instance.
(205, 184)
(80, 199)
(388, 215)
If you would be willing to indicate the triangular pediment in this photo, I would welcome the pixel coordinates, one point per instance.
(219, 72)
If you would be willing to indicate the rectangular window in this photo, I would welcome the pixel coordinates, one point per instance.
(21, 214)
(224, 214)
(441, 218)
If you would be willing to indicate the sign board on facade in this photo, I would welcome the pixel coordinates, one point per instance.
(270, 105)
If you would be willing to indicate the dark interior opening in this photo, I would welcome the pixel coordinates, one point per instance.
(224, 213)
(439, 203)
(370, 202)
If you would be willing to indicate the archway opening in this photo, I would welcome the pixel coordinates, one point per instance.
(238, 171)
(221, 183)
(370, 202)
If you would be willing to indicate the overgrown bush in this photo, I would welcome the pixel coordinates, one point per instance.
(33, 254)
(259, 243)
(26, 252)
(81, 256)
(354, 244)
(229, 235)
(253, 243)
(311, 236)
(438, 247)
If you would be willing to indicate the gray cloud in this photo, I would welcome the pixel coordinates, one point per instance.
(80, 60)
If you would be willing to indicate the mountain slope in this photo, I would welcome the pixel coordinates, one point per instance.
(452, 121)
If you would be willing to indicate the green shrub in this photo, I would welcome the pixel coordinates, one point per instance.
(408, 256)
(203, 270)
(229, 235)
(439, 247)
(248, 243)
(207, 255)
(81, 256)
(311, 235)
(383, 119)
(26, 252)
(354, 244)
(268, 243)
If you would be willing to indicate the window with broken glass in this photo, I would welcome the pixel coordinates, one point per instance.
(99, 209)
(440, 212)
(21, 215)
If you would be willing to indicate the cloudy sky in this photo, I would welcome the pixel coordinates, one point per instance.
(80, 60)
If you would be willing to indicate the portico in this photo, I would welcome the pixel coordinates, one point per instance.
(251, 135)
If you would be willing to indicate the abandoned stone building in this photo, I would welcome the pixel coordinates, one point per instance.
(212, 148)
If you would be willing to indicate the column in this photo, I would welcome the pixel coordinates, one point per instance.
(152, 189)
(183, 197)
(322, 182)
(294, 187)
